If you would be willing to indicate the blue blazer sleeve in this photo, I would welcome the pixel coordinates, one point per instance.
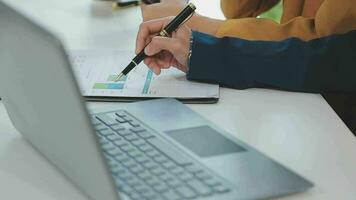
(322, 65)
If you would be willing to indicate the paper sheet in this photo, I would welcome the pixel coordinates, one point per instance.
(96, 72)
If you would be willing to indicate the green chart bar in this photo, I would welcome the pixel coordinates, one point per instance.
(109, 86)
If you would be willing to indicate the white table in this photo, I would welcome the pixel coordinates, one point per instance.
(298, 130)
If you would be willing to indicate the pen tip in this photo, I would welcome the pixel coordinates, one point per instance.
(119, 77)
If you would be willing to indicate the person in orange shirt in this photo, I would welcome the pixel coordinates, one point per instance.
(304, 19)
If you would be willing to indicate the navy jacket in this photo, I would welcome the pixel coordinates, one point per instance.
(321, 65)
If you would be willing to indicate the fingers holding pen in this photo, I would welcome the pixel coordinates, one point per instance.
(159, 44)
(160, 51)
(153, 65)
(149, 28)
(163, 52)
(162, 60)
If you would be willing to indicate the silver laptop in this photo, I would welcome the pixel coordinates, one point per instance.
(157, 149)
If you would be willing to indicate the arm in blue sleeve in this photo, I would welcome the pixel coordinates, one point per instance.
(321, 65)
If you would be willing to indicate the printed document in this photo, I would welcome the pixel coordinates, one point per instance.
(96, 72)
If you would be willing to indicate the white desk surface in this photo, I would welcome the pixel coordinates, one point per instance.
(298, 130)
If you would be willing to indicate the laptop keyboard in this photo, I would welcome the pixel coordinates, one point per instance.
(145, 166)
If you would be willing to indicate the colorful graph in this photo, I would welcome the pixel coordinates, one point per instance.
(111, 86)
(111, 83)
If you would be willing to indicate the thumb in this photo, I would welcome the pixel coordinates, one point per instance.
(159, 44)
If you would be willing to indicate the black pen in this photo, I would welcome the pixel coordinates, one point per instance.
(181, 18)
(150, 1)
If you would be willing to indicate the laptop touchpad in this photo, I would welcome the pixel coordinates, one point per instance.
(204, 141)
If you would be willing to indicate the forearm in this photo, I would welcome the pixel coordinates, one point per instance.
(321, 65)
(204, 24)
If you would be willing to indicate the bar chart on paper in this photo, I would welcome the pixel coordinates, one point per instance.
(112, 84)
(96, 73)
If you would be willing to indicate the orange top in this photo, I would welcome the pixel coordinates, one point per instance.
(304, 19)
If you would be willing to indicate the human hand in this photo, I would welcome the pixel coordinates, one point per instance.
(164, 52)
(163, 9)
